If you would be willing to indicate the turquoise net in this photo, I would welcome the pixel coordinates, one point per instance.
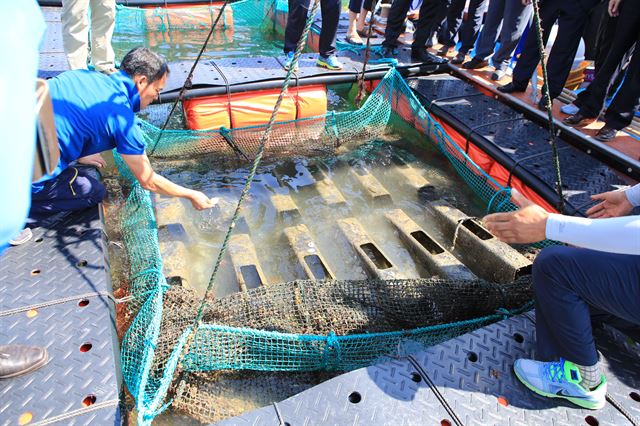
(306, 325)
(178, 32)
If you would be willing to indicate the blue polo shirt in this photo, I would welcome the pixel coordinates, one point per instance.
(94, 113)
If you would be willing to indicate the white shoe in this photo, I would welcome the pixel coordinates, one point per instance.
(569, 109)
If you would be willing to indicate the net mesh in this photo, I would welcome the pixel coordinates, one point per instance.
(301, 327)
(137, 20)
(178, 31)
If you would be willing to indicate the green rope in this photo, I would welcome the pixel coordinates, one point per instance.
(245, 190)
(548, 105)
(187, 82)
(367, 53)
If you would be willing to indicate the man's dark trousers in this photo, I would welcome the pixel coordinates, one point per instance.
(591, 101)
(432, 12)
(511, 18)
(73, 189)
(575, 288)
(298, 11)
(572, 16)
(467, 31)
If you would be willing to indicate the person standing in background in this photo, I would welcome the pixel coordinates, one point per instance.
(358, 11)
(572, 16)
(626, 101)
(432, 12)
(467, 30)
(510, 17)
(298, 11)
(75, 33)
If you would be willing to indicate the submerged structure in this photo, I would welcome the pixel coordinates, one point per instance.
(429, 317)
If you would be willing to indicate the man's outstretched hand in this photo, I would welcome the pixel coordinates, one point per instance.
(612, 204)
(201, 202)
(526, 225)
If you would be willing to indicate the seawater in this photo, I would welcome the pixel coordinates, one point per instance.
(295, 177)
(251, 34)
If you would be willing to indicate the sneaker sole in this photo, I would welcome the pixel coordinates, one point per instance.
(327, 66)
(604, 139)
(577, 401)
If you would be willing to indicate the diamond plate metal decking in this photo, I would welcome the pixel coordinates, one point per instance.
(471, 373)
(53, 61)
(54, 293)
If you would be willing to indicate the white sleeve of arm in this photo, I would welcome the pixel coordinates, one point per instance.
(614, 235)
(633, 195)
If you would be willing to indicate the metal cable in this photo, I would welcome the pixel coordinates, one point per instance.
(634, 421)
(281, 421)
(78, 412)
(69, 299)
(435, 390)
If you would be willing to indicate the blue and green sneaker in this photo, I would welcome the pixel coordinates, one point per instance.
(288, 60)
(560, 380)
(329, 62)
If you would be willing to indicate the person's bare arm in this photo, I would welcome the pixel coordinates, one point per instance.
(151, 181)
(95, 160)
(531, 223)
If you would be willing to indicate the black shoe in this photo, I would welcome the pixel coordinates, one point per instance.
(542, 104)
(421, 55)
(444, 50)
(606, 134)
(388, 53)
(475, 63)
(578, 119)
(459, 58)
(512, 87)
(16, 360)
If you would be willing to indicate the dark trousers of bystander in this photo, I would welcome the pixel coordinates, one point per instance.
(298, 11)
(510, 18)
(467, 30)
(572, 16)
(356, 6)
(627, 100)
(576, 289)
(432, 13)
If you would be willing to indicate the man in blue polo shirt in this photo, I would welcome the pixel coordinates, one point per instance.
(95, 113)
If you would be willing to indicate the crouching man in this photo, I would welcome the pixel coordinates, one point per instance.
(95, 113)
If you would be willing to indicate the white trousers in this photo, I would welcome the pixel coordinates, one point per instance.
(75, 32)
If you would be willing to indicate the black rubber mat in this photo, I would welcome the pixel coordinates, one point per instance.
(216, 77)
(54, 293)
(467, 380)
(242, 74)
(520, 145)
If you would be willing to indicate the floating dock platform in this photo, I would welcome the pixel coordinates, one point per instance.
(55, 292)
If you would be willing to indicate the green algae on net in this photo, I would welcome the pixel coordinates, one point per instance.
(335, 325)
